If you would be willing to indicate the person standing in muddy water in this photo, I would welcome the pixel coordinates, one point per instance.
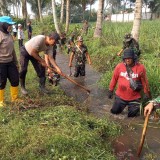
(130, 42)
(70, 42)
(62, 40)
(125, 73)
(153, 104)
(80, 52)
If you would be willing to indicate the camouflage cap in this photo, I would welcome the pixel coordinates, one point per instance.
(128, 37)
(80, 38)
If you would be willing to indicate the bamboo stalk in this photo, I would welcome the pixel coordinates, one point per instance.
(71, 80)
(143, 135)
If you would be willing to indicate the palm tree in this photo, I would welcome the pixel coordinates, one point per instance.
(55, 17)
(62, 11)
(137, 19)
(3, 7)
(98, 29)
(24, 10)
(34, 6)
(91, 2)
(67, 15)
(17, 4)
(39, 10)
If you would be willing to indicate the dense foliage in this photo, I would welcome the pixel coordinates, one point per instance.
(103, 50)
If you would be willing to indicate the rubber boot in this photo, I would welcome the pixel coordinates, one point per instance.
(2, 98)
(42, 82)
(23, 89)
(14, 95)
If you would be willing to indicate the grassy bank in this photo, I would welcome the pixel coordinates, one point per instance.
(57, 127)
(52, 126)
(59, 132)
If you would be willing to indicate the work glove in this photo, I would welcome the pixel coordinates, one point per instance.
(110, 94)
(146, 98)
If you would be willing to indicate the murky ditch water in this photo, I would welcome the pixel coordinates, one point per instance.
(125, 147)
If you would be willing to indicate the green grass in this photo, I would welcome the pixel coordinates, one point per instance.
(57, 127)
(104, 49)
(59, 132)
(52, 126)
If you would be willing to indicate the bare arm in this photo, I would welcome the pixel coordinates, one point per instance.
(52, 61)
(46, 59)
(88, 58)
(35, 54)
(148, 108)
(71, 59)
(120, 52)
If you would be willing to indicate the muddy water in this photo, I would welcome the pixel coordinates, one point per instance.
(125, 147)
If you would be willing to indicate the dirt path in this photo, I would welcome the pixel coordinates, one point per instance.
(125, 147)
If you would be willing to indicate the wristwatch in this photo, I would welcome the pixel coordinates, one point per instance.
(154, 102)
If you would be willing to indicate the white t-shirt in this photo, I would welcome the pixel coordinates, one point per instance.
(20, 34)
(38, 43)
(14, 28)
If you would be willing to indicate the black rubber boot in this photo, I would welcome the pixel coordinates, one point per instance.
(42, 82)
(23, 89)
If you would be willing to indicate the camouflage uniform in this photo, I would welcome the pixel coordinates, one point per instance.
(70, 43)
(156, 102)
(80, 60)
(85, 28)
(130, 42)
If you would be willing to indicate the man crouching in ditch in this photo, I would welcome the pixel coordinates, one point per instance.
(131, 78)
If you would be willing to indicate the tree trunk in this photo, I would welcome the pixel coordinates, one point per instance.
(98, 29)
(62, 11)
(83, 8)
(67, 15)
(55, 17)
(14, 12)
(137, 20)
(16, 5)
(39, 10)
(19, 9)
(2, 7)
(90, 11)
(24, 11)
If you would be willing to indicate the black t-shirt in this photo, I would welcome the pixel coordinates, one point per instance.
(29, 28)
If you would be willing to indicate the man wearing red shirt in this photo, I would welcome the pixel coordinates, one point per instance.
(126, 95)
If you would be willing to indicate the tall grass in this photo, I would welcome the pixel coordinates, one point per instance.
(102, 50)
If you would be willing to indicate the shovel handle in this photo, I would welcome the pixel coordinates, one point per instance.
(71, 80)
